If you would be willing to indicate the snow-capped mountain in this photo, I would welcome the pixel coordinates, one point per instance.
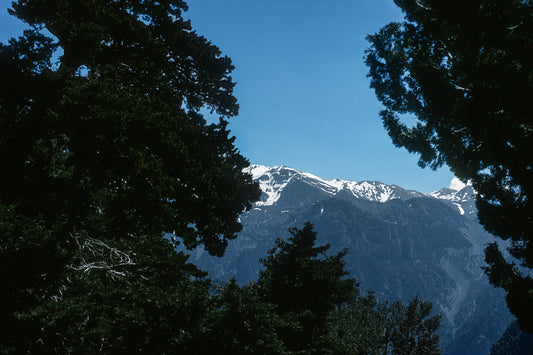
(274, 180)
(402, 244)
(463, 199)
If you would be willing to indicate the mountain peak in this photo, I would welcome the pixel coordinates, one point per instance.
(273, 180)
(463, 199)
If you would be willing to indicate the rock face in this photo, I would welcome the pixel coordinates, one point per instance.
(402, 244)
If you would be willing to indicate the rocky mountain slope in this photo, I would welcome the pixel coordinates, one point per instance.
(402, 244)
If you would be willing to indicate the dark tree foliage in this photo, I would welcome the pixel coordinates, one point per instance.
(464, 71)
(243, 323)
(104, 140)
(409, 329)
(302, 303)
(121, 297)
(305, 284)
(111, 138)
(365, 325)
(357, 327)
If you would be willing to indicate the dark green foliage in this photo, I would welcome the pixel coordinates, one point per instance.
(513, 342)
(103, 152)
(357, 327)
(121, 148)
(108, 145)
(243, 323)
(464, 70)
(117, 302)
(33, 260)
(410, 329)
(302, 303)
(368, 326)
(506, 275)
(305, 284)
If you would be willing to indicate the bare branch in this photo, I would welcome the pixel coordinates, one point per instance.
(97, 255)
(515, 26)
(461, 88)
(422, 6)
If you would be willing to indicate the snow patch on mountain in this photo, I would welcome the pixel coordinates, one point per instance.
(460, 196)
(445, 194)
(274, 180)
(372, 190)
(461, 209)
(272, 189)
(257, 171)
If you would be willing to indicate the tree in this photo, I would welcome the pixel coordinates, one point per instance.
(365, 325)
(101, 136)
(305, 285)
(356, 327)
(144, 300)
(410, 329)
(463, 70)
(243, 323)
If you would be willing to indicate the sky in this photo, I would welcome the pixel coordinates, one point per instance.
(301, 84)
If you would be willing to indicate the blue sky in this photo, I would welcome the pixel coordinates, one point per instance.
(304, 96)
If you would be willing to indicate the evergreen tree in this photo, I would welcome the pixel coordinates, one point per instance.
(356, 327)
(305, 285)
(243, 323)
(463, 70)
(410, 329)
(112, 301)
(366, 325)
(107, 144)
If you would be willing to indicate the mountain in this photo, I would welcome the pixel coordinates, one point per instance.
(402, 243)
(462, 199)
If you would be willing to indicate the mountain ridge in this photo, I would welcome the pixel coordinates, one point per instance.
(366, 189)
(402, 243)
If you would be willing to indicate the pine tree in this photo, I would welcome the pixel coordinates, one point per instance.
(366, 325)
(463, 70)
(120, 297)
(305, 284)
(356, 327)
(101, 140)
(243, 323)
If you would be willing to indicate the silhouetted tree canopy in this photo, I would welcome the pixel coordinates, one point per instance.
(102, 141)
(304, 303)
(366, 325)
(464, 71)
(242, 323)
(305, 284)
